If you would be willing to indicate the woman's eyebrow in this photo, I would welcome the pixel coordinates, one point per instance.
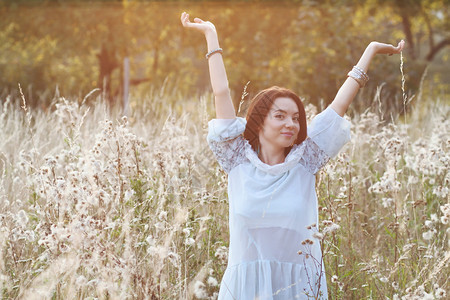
(283, 111)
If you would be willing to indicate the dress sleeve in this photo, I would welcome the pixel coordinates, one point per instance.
(227, 142)
(327, 134)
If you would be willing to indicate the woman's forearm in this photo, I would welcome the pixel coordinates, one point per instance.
(219, 80)
(218, 76)
(350, 88)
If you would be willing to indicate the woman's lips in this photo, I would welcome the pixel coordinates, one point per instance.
(288, 134)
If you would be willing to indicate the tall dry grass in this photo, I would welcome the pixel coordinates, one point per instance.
(95, 205)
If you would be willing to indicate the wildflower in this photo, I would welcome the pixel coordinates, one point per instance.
(212, 281)
(445, 209)
(222, 253)
(318, 235)
(22, 218)
(334, 279)
(387, 202)
(434, 217)
(162, 216)
(440, 293)
(331, 228)
(150, 240)
(428, 224)
(30, 236)
(174, 258)
(428, 235)
(189, 241)
(200, 291)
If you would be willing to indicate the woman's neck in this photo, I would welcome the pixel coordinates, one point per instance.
(271, 156)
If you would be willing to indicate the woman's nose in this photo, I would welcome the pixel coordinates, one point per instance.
(289, 122)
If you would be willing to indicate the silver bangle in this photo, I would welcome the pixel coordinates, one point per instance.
(359, 75)
(361, 72)
(218, 50)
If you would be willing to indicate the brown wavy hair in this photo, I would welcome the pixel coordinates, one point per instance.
(259, 109)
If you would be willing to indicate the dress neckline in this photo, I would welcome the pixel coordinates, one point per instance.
(290, 161)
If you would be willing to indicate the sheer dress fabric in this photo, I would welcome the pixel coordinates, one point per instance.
(270, 208)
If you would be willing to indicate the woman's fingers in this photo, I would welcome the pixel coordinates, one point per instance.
(185, 19)
(187, 23)
(398, 49)
(401, 45)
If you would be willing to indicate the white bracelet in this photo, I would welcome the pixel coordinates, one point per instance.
(218, 50)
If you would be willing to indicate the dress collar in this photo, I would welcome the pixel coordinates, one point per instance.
(290, 161)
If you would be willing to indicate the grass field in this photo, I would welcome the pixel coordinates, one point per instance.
(98, 206)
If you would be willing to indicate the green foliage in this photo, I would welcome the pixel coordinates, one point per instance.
(298, 44)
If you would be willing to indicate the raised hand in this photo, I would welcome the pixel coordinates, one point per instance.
(217, 73)
(348, 90)
(203, 26)
(381, 48)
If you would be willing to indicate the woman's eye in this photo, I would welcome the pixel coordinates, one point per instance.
(279, 116)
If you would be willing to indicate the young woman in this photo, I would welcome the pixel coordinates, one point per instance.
(271, 158)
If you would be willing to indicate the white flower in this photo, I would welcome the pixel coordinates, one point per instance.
(212, 281)
(222, 253)
(428, 235)
(150, 240)
(317, 235)
(189, 241)
(22, 218)
(434, 217)
(440, 293)
(163, 216)
(199, 290)
(387, 202)
(331, 228)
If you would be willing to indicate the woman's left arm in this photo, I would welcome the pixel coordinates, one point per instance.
(349, 89)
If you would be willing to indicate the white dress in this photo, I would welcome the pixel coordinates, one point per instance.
(270, 209)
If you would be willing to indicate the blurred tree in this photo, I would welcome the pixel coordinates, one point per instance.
(302, 45)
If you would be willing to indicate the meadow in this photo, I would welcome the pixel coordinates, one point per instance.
(95, 205)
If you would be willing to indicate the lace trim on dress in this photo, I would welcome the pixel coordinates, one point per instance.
(229, 153)
(313, 158)
(227, 142)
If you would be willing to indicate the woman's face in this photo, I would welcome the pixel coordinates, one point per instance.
(281, 125)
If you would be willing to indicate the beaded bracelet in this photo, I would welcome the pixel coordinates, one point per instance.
(218, 50)
(359, 75)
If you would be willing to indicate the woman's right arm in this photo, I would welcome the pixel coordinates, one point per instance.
(219, 81)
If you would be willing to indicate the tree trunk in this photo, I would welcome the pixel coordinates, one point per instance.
(107, 64)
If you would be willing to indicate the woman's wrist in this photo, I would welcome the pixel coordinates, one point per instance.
(373, 48)
(211, 34)
(212, 41)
